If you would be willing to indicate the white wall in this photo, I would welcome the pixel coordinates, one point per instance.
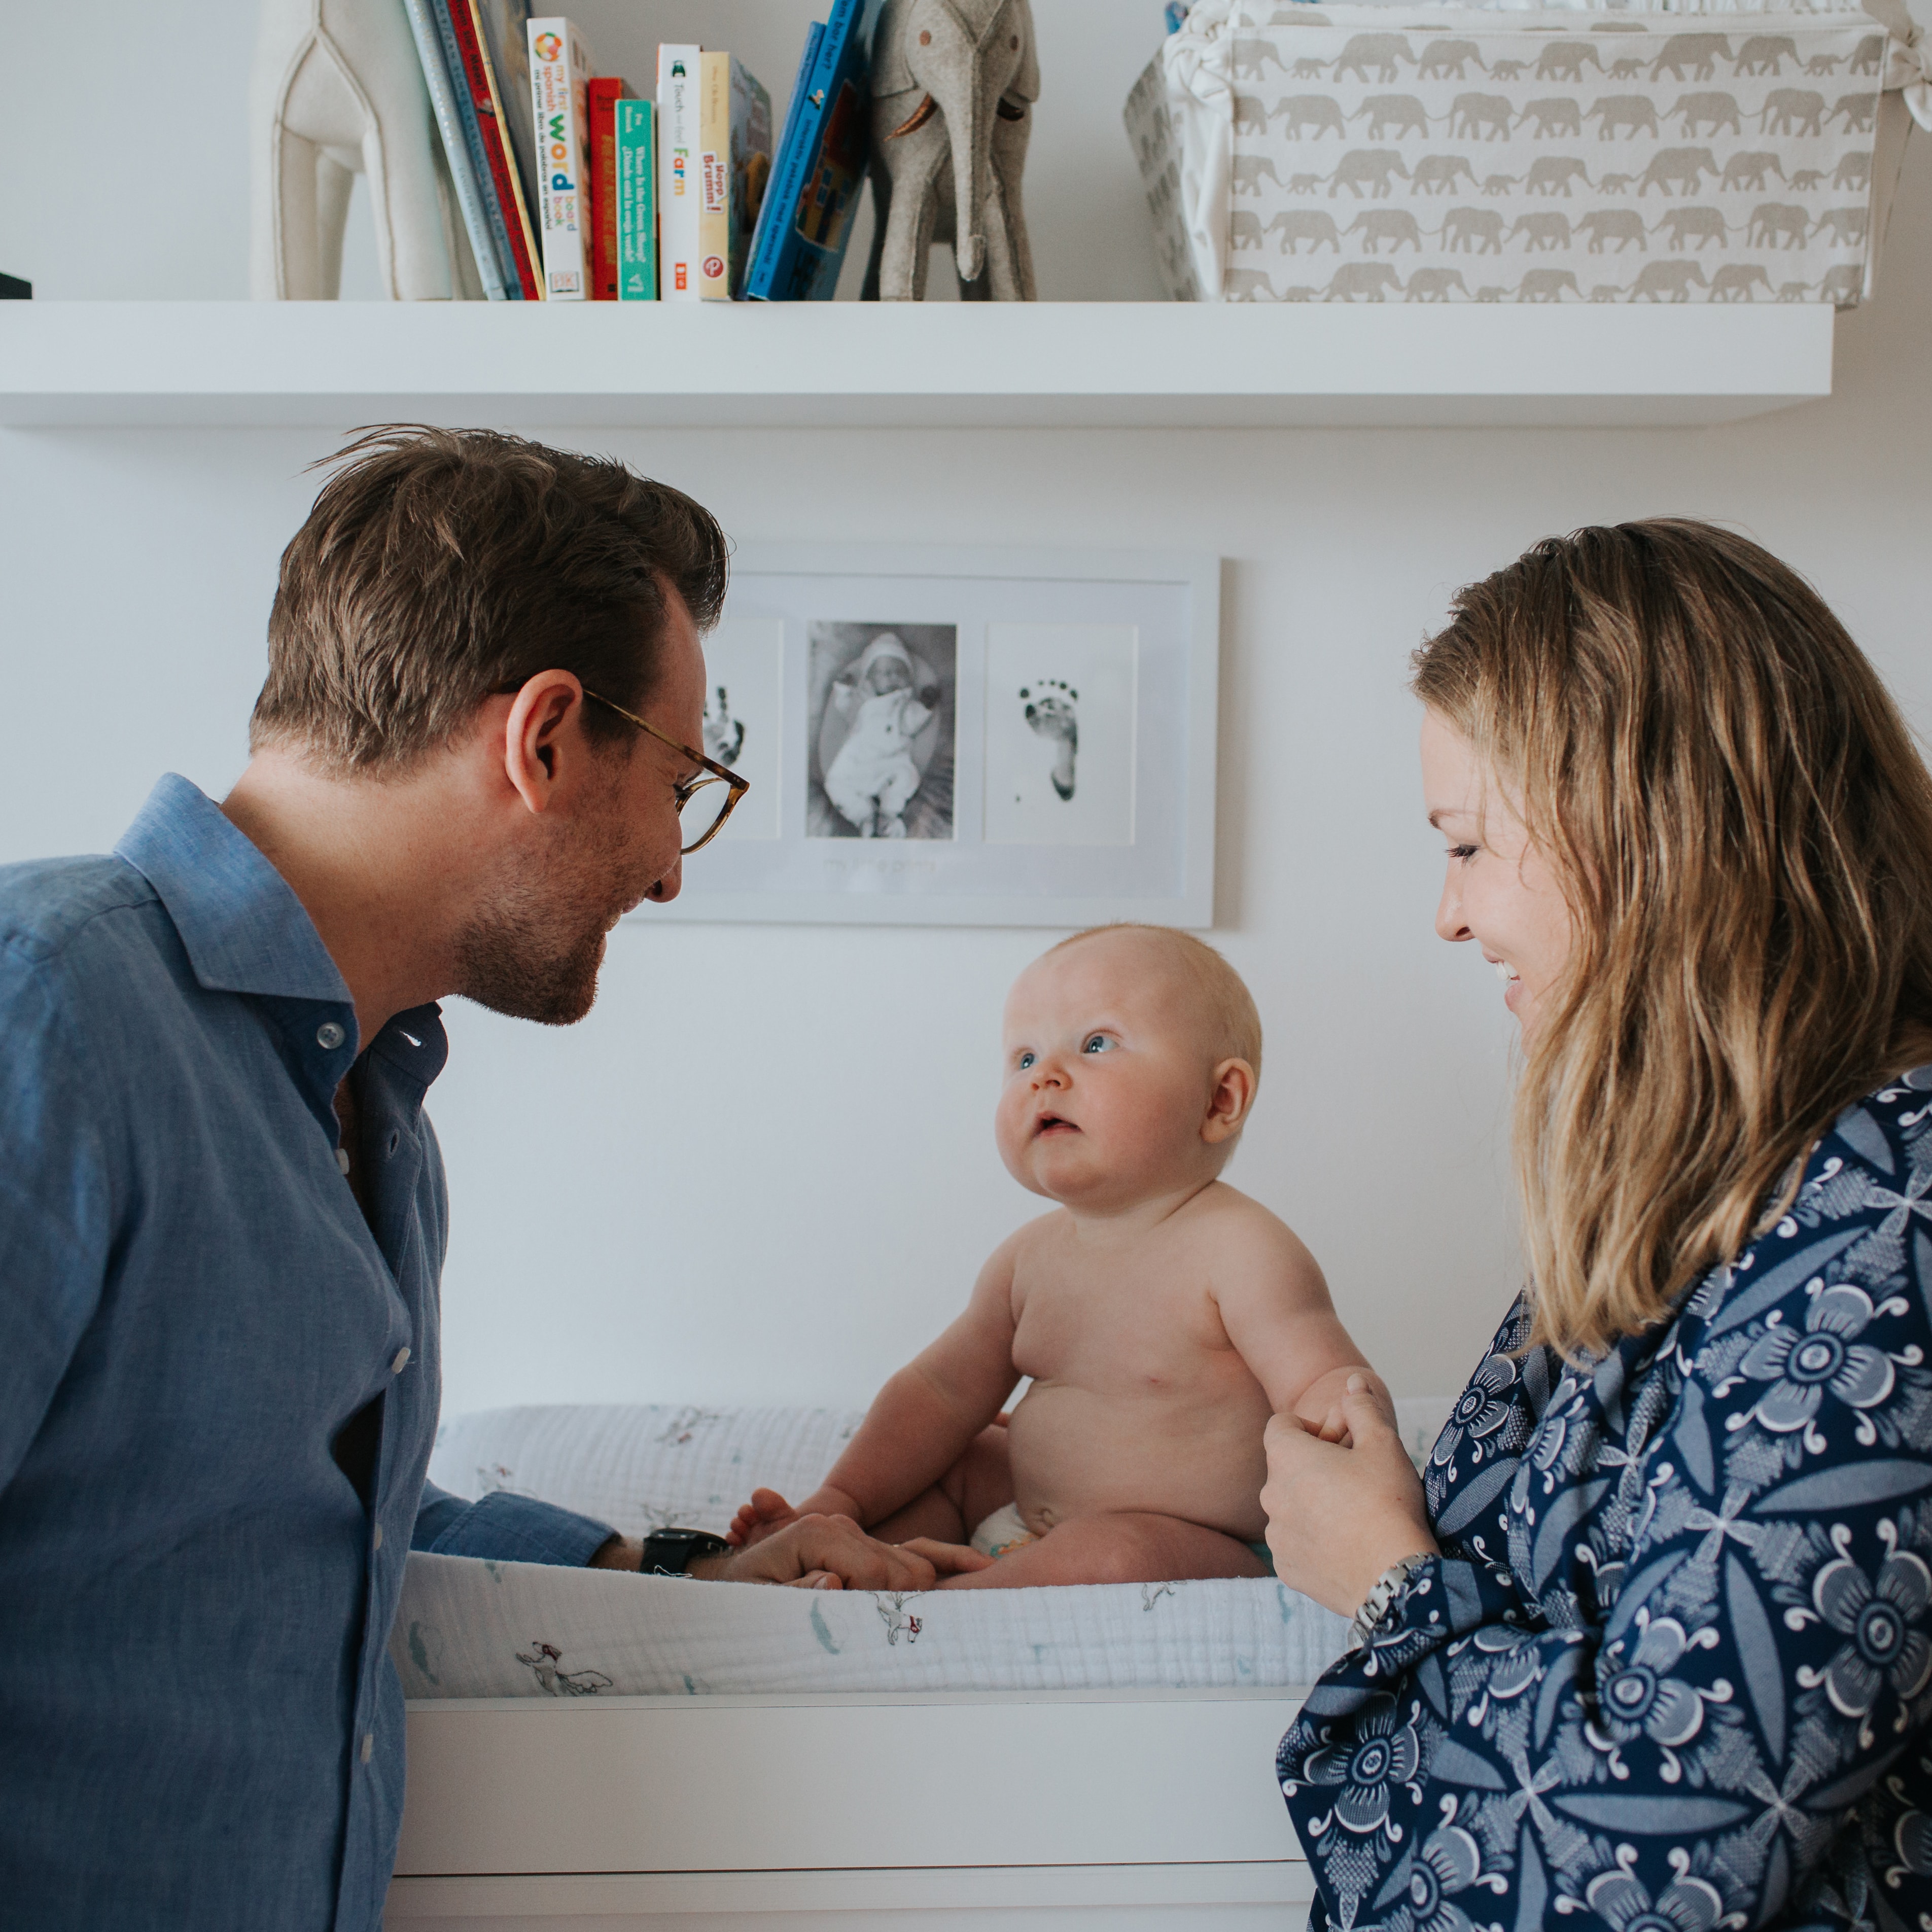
(763, 1169)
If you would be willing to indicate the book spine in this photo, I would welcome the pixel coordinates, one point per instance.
(679, 69)
(601, 99)
(510, 182)
(637, 201)
(520, 263)
(751, 166)
(472, 140)
(815, 211)
(560, 68)
(801, 131)
(449, 125)
(714, 178)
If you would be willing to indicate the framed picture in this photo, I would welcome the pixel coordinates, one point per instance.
(963, 737)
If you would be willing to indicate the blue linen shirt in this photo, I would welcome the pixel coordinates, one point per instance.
(202, 1726)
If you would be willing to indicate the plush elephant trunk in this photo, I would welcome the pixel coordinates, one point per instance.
(965, 66)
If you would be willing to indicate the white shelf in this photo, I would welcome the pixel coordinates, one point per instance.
(1115, 365)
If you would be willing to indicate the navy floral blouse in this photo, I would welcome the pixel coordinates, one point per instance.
(1671, 1673)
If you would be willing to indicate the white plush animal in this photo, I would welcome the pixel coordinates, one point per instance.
(336, 91)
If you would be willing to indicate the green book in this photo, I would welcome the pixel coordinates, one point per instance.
(636, 203)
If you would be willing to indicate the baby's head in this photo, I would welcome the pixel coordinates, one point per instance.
(1132, 1054)
(885, 666)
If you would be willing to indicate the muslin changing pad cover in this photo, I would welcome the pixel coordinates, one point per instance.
(468, 1628)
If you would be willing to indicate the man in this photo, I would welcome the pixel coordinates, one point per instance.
(222, 1210)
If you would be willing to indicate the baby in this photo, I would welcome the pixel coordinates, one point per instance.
(873, 777)
(1162, 1316)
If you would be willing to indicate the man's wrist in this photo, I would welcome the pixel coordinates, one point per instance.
(669, 1553)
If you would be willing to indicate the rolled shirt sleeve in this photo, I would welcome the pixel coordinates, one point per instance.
(507, 1528)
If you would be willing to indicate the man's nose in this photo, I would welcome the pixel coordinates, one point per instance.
(668, 887)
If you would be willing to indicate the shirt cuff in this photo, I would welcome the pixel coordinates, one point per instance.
(508, 1529)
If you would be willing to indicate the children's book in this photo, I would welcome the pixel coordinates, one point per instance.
(804, 245)
(679, 72)
(734, 162)
(601, 99)
(560, 72)
(443, 103)
(516, 246)
(503, 44)
(787, 161)
(637, 236)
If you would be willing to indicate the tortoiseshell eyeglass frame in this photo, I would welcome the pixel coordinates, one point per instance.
(714, 773)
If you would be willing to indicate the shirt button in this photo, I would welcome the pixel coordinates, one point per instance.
(328, 1035)
(368, 1746)
(342, 1159)
(376, 1541)
(401, 1362)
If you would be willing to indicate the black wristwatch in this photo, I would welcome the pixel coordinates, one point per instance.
(667, 1552)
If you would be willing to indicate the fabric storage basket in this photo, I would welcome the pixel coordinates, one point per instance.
(1298, 152)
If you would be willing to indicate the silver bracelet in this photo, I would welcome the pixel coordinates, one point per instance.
(1381, 1594)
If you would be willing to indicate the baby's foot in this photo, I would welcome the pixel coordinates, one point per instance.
(766, 1514)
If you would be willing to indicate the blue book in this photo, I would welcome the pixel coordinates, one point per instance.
(444, 103)
(816, 205)
(506, 262)
(787, 164)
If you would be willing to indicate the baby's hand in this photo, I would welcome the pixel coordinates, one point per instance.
(764, 1515)
(1320, 1411)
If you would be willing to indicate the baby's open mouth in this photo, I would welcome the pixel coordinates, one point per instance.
(1052, 1123)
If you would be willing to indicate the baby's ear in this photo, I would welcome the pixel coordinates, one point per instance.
(1230, 1100)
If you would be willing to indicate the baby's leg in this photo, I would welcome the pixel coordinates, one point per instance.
(979, 1483)
(1130, 1547)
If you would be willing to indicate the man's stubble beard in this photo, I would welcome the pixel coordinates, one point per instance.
(533, 951)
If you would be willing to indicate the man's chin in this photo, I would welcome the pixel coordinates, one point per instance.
(553, 992)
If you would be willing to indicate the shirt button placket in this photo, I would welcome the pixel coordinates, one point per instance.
(329, 1036)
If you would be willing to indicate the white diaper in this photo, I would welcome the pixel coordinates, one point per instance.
(1003, 1532)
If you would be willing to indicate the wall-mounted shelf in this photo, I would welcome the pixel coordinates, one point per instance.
(1112, 365)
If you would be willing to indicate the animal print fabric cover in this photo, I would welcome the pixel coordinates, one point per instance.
(1673, 1670)
(1446, 153)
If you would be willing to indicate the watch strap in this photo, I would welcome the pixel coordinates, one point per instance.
(667, 1552)
(1382, 1594)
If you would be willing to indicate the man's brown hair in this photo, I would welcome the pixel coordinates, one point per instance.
(440, 565)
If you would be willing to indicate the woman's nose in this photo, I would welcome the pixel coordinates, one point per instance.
(1449, 922)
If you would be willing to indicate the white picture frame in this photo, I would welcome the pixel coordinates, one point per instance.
(963, 737)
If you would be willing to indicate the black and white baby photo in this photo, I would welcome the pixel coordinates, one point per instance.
(879, 726)
(744, 694)
(1060, 733)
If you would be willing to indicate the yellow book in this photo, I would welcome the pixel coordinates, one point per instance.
(734, 160)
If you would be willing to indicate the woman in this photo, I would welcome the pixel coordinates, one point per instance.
(1650, 1645)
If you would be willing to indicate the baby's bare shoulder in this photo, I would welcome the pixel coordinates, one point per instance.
(1250, 1249)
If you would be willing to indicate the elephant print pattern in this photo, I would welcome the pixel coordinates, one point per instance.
(1673, 1667)
(1526, 135)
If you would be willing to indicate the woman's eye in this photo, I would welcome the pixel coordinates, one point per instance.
(1463, 853)
(1097, 1043)
(1026, 1060)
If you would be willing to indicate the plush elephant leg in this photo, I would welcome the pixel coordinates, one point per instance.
(1009, 151)
(335, 183)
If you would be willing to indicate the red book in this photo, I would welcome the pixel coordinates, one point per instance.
(476, 79)
(602, 96)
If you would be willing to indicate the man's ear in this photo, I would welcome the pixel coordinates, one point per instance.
(1229, 1099)
(545, 717)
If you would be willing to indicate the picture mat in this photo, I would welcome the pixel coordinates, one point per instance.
(1087, 673)
(1170, 601)
(746, 656)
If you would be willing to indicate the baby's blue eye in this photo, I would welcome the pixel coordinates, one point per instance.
(1097, 1042)
(1026, 1060)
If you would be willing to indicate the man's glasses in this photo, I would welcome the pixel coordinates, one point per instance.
(701, 810)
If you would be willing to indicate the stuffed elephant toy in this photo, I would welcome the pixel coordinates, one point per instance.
(336, 91)
(953, 85)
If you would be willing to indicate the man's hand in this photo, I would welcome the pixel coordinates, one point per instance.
(831, 1553)
(1339, 1516)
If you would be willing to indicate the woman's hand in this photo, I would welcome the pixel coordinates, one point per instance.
(1340, 1515)
(831, 1553)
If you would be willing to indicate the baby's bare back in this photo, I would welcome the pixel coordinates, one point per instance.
(1141, 1400)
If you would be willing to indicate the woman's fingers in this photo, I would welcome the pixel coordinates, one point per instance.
(949, 1559)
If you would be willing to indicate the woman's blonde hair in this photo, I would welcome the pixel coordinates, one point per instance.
(1743, 830)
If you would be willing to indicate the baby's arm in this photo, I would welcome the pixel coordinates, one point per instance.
(1275, 1307)
(921, 1422)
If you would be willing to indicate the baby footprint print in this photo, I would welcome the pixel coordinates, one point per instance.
(1052, 710)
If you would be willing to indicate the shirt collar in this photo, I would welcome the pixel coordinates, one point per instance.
(245, 930)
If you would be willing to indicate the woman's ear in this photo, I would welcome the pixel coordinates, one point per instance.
(1229, 1098)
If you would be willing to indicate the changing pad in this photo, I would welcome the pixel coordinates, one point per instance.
(472, 1629)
